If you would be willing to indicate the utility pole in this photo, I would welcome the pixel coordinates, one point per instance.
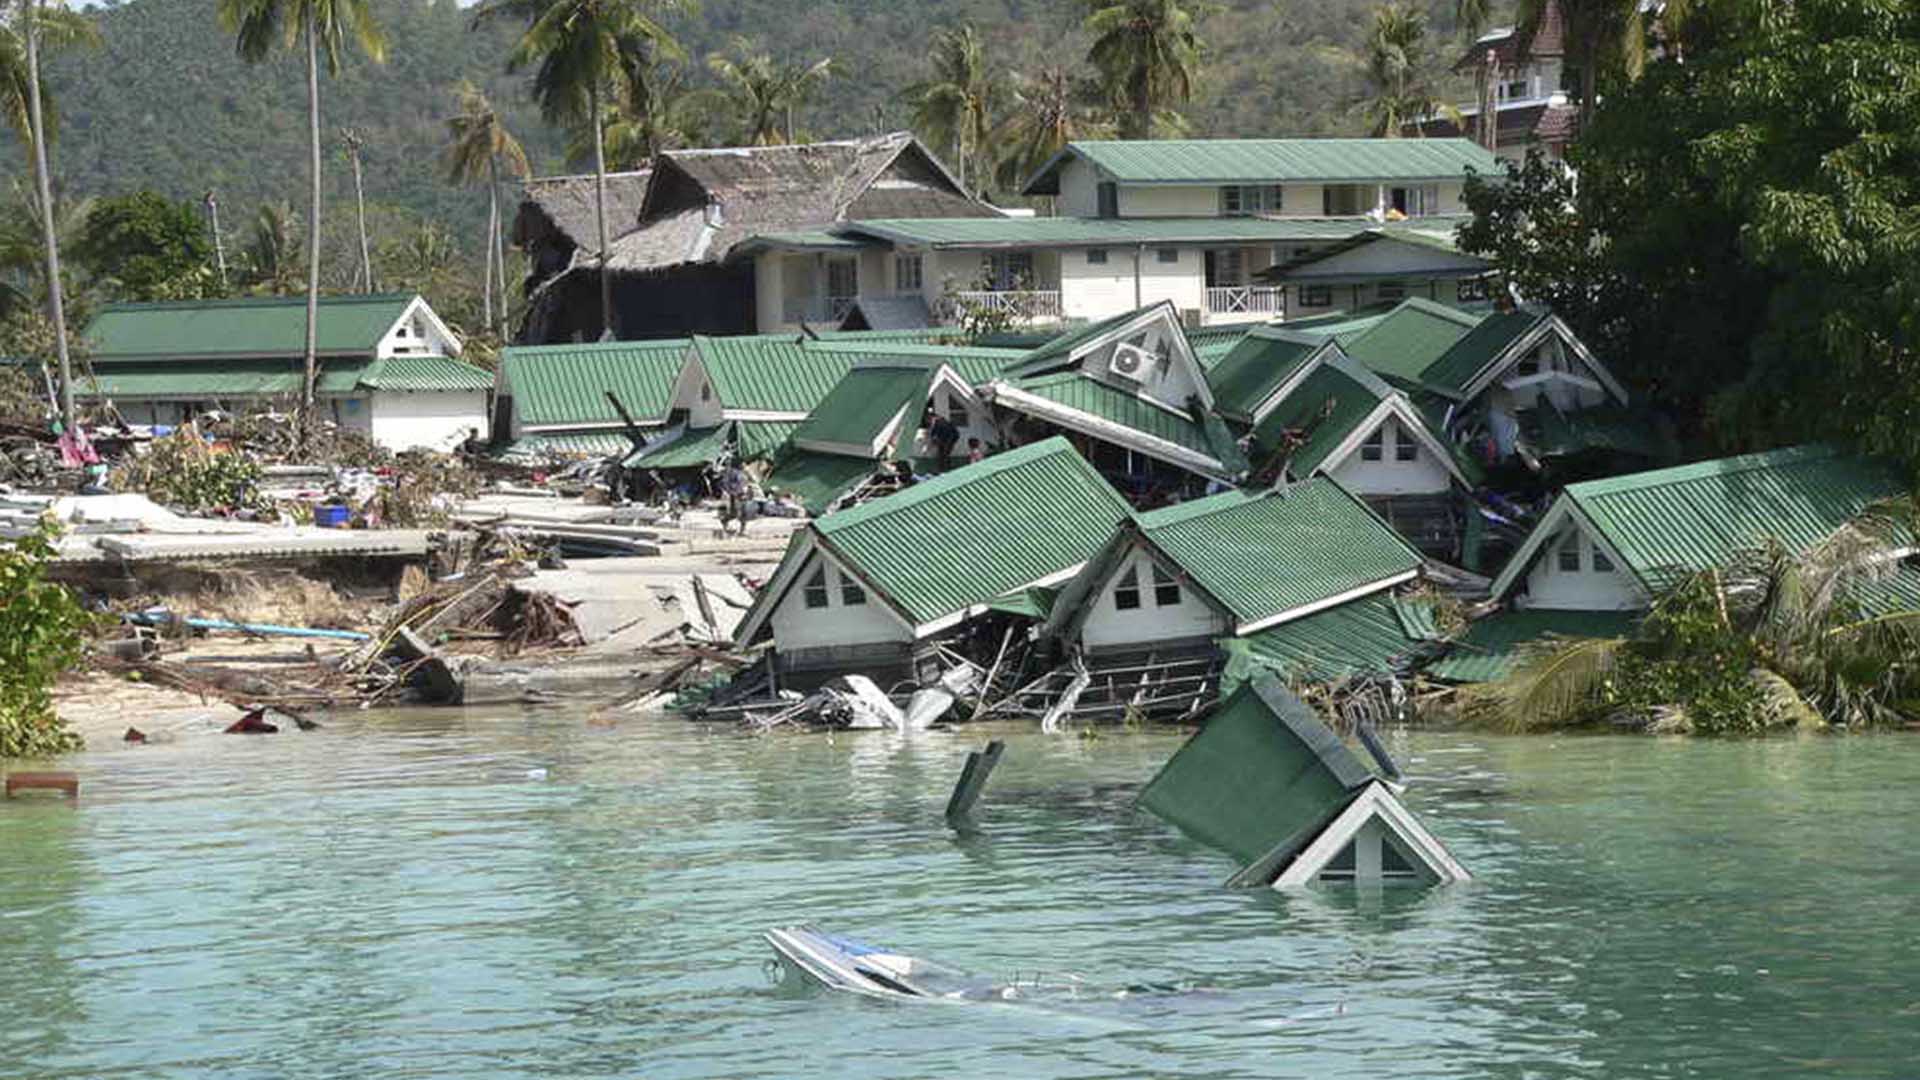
(38, 127)
(219, 248)
(352, 138)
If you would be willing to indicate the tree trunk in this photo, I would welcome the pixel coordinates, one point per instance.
(312, 374)
(1142, 106)
(600, 213)
(499, 242)
(37, 132)
(360, 211)
(219, 246)
(493, 230)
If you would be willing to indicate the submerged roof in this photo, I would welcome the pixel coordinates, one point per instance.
(1491, 645)
(567, 385)
(1374, 635)
(257, 326)
(1262, 771)
(1270, 161)
(1274, 554)
(968, 536)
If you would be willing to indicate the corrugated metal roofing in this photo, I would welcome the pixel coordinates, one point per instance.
(1263, 769)
(1271, 161)
(975, 364)
(978, 532)
(1254, 368)
(566, 385)
(567, 445)
(770, 374)
(218, 380)
(1488, 649)
(1360, 637)
(1324, 408)
(1408, 341)
(1095, 398)
(424, 373)
(818, 479)
(1101, 232)
(1266, 554)
(1695, 517)
(865, 400)
(695, 447)
(265, 326)
(1060, 347)
(1470, 355)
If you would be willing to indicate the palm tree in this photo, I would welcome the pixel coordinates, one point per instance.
(480, 143)
(764, 92)
(1398, 66)
(955, 108)
(655, 111)
(1775, 638)
(1147, 53)
(325, 26)
(579, 49)
(272, 254)
(21, 97)
(1050, 109)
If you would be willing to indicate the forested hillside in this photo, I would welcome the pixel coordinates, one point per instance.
(165, 104)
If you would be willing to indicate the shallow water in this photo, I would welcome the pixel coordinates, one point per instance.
(411, 896)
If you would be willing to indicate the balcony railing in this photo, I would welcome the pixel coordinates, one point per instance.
(1031, 305)
(816, 309)
(1244, 300)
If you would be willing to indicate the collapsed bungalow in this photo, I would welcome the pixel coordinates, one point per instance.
(864, 589)
(559, 401)
(386, 364)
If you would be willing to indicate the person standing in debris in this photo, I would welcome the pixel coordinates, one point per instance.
(733, 489)
(944, 436)
(975, 452)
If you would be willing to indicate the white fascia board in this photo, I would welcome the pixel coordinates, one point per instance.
(1563, 511)
(1375, 802)
(1317, 606)
(1314, 359)
(1099, 427)
(1397, 407)
(1550, 324)
(419, 304)
(761, 416)
(615, 425)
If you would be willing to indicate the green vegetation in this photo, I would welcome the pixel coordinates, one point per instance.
(1775, 640)
(144, 246)
(763, 93)
(42, 632)
(479, 145)
(1402, 71)
(1148, 55)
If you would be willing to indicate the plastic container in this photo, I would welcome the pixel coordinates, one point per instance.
(330, 517)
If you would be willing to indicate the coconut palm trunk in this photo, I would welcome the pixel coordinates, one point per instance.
(56, 305)
(493, 231)
(311, 378)
(600, 211)
(499, 239)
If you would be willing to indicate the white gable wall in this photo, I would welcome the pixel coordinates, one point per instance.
(797, 626)
(1170, 382)
(430, 419)
(1108, 626)
(1424, 475)
(418, 333)
(1590, 587)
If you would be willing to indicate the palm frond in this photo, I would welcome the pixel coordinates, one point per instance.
(1551, 683)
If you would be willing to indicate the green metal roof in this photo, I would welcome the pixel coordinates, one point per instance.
(1059, 348)
(1469, 356)
(860, 406)
(1410, 339)
(1262, 769)
(975, 364)
(1101, 232)
(566, 385)
(974, 534)
(817, 480)
(1035, 603)
(1489, 648)
(1270, 161)
(1368, 636)
(1254, 368)
(424, 373)
(216, 380)
(1612, 428)
(564, 445)
(1266, 554)
(753, 440)
(775, 374)
(1341, 326)
(1088, 395)
(1325, 408)
(1229, 334)
(1695, 517)
(267, 327)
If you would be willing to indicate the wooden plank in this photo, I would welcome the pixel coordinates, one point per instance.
(65, 783)
(973, 779)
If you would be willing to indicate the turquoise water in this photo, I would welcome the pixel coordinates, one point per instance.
(398, 897)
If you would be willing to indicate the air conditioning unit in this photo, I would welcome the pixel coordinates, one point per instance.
(1130, 361)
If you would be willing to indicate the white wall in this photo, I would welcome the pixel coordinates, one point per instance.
(1424, 475)
(769, 291)
(1302, 200)
(1170, 200)
(797, 626)
(979, 425)
(1096, 292)
(1184, 281)
(1587, 589)
(415, 335)
(434, 419)
(1171, 385)
(1107, 626)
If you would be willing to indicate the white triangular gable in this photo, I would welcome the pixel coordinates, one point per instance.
(418, 332)
(1375, 840)
(1147, 355)
(1398, 410)
(1564, 368)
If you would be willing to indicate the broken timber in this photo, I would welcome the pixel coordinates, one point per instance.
(973, 780)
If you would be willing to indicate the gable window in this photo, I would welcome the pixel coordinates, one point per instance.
(1404, 448)
(1096, 256)
(706, 391)
(1316, 296)
(1569, 555)
(1470, 289)
(1601, 564)
(1240, 200)
(1528, 365)
(1166, 255)
(1375, 448)
(816, 590)
(1126, 591)
(851, 594)
(1166, 590)
(1107, 196)
(1392, 290)
(908, 273)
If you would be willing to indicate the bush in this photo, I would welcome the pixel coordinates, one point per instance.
(42, 631)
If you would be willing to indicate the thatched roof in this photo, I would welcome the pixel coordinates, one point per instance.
(566, 203)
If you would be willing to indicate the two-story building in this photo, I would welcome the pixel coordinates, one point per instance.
(1522, 82)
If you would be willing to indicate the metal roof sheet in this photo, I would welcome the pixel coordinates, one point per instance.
(1454, 369)
(1361, 637)
(1083, 393)
(817, 480)
(217, 380)
(865, 400)
(1489, 648)
(1411, 337)
(567, 445)
(1254, 367)
(971, 535)
(975, 364)
(260, 326)
(775, 374)
(425, 373)
(566, 385)
(1322, 411)
(1101, 232)
(1266, 554)
(1271, 161)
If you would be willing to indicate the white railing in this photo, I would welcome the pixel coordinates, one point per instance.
(1244, 300)
(816, 309)
(1032, 305)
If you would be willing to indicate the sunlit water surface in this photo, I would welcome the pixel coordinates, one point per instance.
(508, 894)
